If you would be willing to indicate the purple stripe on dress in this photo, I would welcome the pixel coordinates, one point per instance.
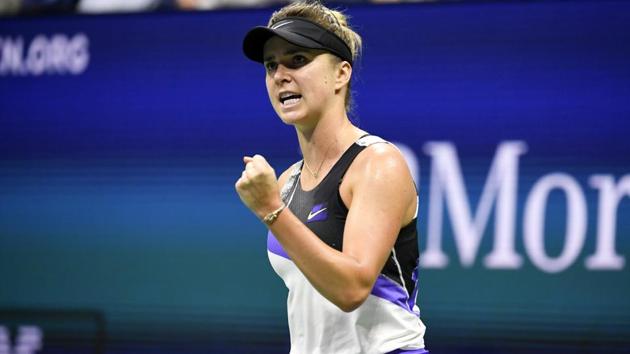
(390, 291)
(409, 351)
(414, 278)
(275, 247)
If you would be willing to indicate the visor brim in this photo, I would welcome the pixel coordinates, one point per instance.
(255, 40)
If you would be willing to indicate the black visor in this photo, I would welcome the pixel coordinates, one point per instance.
(297, 31)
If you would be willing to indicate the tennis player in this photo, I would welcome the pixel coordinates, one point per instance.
(342, 221)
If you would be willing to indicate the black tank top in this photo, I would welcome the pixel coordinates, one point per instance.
(323, 211)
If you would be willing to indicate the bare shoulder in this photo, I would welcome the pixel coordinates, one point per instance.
(380, 176)
(380, 166)
(382, 158)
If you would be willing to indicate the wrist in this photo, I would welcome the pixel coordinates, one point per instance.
(269, 218)
(262, 210)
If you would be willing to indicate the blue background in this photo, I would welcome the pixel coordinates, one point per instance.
(116, 186)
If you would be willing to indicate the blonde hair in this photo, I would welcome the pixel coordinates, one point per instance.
(333, 20)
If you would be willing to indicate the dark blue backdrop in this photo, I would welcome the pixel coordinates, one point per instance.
(121, 137)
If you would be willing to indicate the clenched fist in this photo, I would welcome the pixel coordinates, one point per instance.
(258, 186)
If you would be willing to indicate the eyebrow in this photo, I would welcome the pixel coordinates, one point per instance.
(288, 52)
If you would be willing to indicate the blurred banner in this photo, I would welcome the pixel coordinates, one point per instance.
(121, 138)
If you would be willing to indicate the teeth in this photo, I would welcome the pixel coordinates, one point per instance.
(290, 101)
(287, 94)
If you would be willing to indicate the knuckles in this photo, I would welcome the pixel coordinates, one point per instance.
(257, 173)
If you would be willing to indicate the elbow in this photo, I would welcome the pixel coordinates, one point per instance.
(352, 300)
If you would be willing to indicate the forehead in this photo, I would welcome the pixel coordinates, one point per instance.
(277, 46)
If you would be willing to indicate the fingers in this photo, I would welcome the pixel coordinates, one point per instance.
(257, 186)
(256, 169)
(242, 181)
(257, 161)
(259, 158)
(251, 170)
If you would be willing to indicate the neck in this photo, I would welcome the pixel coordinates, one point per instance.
(326, 141)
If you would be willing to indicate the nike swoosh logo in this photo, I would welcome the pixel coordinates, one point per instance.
(312, 215)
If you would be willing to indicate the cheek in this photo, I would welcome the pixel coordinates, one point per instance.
(317, 83)
(268, 83)
(270, 90)
(324, 77)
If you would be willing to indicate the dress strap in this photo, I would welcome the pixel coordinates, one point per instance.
(290, 184)
(367, 140)
(351, 154)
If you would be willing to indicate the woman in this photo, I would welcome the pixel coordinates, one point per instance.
(342, 232)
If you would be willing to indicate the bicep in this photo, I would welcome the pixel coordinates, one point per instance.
(382, 193)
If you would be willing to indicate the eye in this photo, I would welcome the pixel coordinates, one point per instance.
(271, 66)
(298, 60)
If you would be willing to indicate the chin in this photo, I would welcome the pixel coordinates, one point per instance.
(291, 118)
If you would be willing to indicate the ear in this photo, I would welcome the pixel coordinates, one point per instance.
(343, 73)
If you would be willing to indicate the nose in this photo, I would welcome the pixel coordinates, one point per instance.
(282, 74)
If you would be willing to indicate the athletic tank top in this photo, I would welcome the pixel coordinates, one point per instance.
(388, 321)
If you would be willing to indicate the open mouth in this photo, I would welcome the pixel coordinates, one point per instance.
(289, 98)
